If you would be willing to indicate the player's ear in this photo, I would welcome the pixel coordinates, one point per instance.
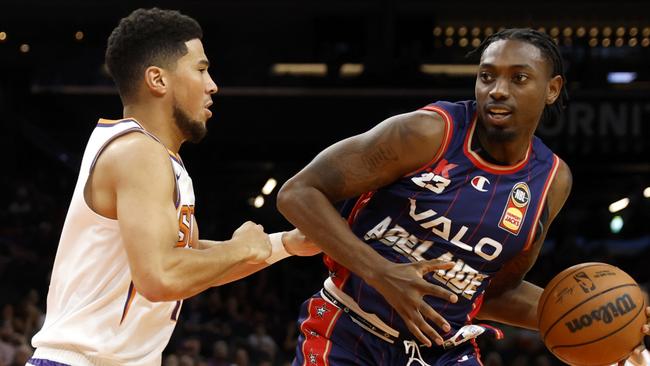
(155, 80)
(554, 89)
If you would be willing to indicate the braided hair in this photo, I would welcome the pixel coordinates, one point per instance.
(549, 49)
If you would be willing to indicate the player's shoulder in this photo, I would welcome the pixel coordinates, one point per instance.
(421, 123)
(457, 112)
(133, 150)
(434, 119)
(134, 144)
(542, 153)
(414, 127)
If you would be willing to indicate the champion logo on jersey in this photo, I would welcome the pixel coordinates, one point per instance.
(514, 212)
(479, 182)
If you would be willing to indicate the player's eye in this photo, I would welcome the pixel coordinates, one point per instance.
(485, 76)
(520, 77)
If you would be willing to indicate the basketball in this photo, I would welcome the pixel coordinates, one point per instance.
(591, 314)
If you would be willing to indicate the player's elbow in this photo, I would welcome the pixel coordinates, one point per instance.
(297, 198)
(154, 295)
(154, 288)
(287, 196)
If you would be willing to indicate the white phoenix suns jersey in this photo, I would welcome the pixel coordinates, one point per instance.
(94, 314)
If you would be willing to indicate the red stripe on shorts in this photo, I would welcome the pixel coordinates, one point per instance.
(317, 328)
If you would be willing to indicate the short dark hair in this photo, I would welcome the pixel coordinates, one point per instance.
(550, 51)
(147, 37)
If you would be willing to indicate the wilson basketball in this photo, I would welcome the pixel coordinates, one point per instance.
(591, 314)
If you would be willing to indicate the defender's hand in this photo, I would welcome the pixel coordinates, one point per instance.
(296, 243)
(404, 287)
(637, 357)
(646, 327)
(253, 236)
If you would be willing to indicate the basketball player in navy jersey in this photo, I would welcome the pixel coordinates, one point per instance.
(130, 251)
(455, 202)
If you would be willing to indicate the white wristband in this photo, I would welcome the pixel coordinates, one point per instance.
(278, 252)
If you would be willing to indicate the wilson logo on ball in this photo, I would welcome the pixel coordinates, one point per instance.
(606, 313)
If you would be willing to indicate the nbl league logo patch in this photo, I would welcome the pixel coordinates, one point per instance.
(515, 210)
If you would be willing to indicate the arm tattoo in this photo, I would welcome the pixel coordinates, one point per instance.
(382, 153)
(356, 172)
(362, 166)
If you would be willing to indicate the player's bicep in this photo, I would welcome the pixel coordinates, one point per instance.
(144, 187)
(378, 157)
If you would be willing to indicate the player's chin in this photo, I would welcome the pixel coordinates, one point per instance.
(202, 119)
(207, 113)
(500, 132)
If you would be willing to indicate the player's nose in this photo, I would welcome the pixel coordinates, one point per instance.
(211, 86)
(500, 90)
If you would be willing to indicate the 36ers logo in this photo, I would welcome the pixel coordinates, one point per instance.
(515, 211)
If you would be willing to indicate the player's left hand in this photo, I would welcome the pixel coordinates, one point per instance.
(296, 243)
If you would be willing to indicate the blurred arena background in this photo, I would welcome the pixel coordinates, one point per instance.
(294, 77)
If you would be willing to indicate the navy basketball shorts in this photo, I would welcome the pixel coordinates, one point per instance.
(330, 337)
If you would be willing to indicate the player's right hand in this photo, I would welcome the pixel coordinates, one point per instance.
(253, 236)
(404, 287)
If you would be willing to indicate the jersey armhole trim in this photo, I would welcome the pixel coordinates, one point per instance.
(107, 142)
(92, 167)
(542, 202)
(446, 139)
(101, 149)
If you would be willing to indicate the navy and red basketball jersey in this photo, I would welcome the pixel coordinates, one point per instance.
(460, 208)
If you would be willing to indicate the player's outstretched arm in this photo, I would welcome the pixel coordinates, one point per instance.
(137, 171)
(357, 165)
(284, 244)
(509, 299)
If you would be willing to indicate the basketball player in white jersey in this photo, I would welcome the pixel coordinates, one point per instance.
(130, 250)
